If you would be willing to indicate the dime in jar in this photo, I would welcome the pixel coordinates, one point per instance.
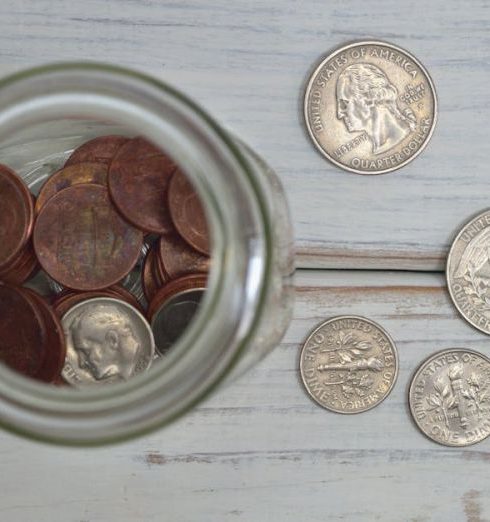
(187, 212)
(468, 272)
(450, 397)
(99, 150)
(108, 341)
(349, 364)
(370, 107)
(82, 242)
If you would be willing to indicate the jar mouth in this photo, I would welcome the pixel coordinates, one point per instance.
(241, 252)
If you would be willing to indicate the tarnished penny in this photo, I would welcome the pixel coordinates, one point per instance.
(349, 364)
(69, 176)
(187, 212)
(179, 259)
(82, 242)
(22, 332)
(107, 341)
(468, 272)
(55, 340)
(173, 317)
(25, 267)
(64, 302)
(370, 107)
(450, 397)
(138, 183)
(182, 284)
(16, 216)
(99, 150)
(151, 276)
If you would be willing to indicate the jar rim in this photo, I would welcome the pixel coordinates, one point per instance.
(27, 406)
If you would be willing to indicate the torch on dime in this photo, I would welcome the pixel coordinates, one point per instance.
(349, 364)
(450, 397)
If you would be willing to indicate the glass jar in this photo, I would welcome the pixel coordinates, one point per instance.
(45, 113)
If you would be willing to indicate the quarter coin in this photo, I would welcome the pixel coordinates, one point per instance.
(450, 397)
(108, 341)
(82, 242)
(468, 272)
(370, 107)
(349, 364)
(138, 183)
(99, 150)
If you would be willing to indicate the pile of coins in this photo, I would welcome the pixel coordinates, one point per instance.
(118, 207)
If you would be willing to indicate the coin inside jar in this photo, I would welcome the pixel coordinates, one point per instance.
(16, 216)
(73, 175)
(173, 308)
(187, 213)
(138, 183)
(25, 267)
(178, 258)
(107, 341)
(22, 332)
(99, 150)
(82, 242)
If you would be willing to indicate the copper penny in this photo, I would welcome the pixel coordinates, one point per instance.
(152, 278)
(25, 267)
(189, 282)
(16, 215)
(187, 212)
(179, 259)
(22, 332)
(82, 242)
(99, 150)
(69, 176)
(138, 182)
(55, 340)
(69, 299)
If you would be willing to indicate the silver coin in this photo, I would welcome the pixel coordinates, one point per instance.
(370, 107)
(450, 397)
(349, 364)
(174, 316)
(107, 340)
(468, 272)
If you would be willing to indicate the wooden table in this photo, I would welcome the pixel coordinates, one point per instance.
(261, 450)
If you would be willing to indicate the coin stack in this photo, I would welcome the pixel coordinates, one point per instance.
(121, 237)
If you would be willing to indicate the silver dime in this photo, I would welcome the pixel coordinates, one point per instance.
(107, 341)
(174, 316)
(349, 364)
(450, 397)
(370, 107)
(468, 272)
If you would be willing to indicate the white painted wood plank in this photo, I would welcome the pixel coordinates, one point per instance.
(261, 450)
(246, 61)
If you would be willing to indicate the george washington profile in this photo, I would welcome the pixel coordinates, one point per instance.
(367, 101)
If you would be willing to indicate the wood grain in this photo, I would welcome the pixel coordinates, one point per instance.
(247, 62)
(260, 449)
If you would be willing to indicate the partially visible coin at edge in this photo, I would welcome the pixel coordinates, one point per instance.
(370, 107)
(349, 364)
(468, 272)
(450, 397)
